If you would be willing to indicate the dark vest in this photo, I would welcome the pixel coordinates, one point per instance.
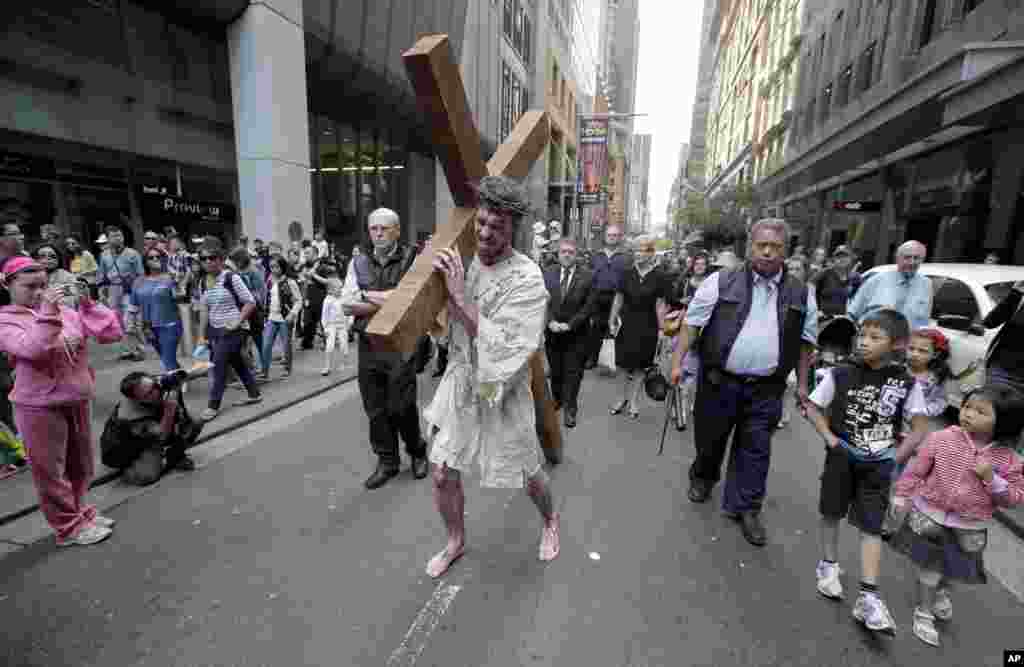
(734, 290)
(378, 276)
(868, 404)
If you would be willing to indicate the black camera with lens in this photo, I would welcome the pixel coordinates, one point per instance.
(172, 380)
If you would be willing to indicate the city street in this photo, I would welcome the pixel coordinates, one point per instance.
(272, 553)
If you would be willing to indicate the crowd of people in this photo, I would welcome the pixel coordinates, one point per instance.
(901, 463)
(231, 311)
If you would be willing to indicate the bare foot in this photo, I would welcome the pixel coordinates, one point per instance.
(549, 542)
(440, 563)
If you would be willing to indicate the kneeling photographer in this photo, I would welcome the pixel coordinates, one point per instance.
(149, 432)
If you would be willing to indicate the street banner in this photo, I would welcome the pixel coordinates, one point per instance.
(593, 170)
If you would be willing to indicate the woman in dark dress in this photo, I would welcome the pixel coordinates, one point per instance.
(636, 319)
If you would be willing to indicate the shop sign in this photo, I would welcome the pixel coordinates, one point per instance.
(593, 170)
(180, 208)
(858, 206)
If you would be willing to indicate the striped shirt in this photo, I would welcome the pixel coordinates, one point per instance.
(942, 474)
(221, 305)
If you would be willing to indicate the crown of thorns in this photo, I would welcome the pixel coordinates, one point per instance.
(502, 194)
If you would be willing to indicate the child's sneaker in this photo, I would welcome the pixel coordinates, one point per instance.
(88, 534)
(828, 580)
(872, 612)
(943, 607)
(924, 627)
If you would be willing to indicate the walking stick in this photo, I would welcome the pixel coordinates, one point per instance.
(669, 400)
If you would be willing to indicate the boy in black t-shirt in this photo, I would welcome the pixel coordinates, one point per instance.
(858, 409)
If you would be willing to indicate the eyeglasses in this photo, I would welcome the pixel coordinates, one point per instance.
(14, 233)
(46, 255)
(153, 258)
(152, 238)
(208, 258)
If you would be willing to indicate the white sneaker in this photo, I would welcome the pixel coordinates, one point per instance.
(88, 534)
(872, 612)
(924, 627)
(943, 607)
(829, 584)
(104, 521)
(326, 371)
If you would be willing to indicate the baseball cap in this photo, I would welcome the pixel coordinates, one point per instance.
(842, 250)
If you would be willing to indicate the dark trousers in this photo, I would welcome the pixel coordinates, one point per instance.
(753, 410)
(388, 387)
(311, 320)
(567, 353)
(226, 350)
(599, 324)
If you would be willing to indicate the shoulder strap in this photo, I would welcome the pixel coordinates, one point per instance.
(229, 284)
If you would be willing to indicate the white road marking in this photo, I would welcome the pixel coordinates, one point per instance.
(415, 641)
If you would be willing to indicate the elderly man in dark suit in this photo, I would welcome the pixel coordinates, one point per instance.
(569, 311)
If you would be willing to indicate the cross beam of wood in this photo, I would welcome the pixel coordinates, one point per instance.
(421, 296)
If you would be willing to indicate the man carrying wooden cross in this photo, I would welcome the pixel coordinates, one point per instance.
(482, 415)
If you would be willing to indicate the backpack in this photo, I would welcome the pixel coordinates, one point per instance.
(257, 319)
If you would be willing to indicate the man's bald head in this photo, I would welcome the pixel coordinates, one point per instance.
(910, 256)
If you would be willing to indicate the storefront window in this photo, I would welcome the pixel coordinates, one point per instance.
(28, 205)
(369, 160)
(348, 228)
(328, 164)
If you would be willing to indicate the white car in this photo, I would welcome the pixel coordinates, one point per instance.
(962, 295)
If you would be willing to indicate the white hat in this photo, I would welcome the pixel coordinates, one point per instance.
(538, 227)
(102, 239)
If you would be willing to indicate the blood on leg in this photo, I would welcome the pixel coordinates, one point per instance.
(539, 489)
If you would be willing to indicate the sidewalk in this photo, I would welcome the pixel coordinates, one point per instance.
(18, 494)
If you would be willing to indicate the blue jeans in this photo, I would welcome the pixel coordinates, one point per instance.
(226, 350)
(165, 340)
(271, 330)
(752, 411)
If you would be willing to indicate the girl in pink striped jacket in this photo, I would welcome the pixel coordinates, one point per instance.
(945, 499)
(52, 391)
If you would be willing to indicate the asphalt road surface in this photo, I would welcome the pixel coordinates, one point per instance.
(274, 554)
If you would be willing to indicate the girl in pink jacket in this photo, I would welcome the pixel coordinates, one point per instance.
(52, 390)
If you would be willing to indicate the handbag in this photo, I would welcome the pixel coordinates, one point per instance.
(606, 358)
(655, 384)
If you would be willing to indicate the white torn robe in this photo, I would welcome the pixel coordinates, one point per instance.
(482, 416)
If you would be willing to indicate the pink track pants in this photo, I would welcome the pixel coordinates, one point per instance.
(58, 440)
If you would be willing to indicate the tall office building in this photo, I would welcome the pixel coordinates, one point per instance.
(907, 124)
(265, 118)
(639, 187)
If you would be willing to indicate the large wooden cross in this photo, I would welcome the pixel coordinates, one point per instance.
(421, 295)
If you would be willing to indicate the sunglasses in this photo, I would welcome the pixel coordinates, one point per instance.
(152, 258)
(152, 238)
(208, 258)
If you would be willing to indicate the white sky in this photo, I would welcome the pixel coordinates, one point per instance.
(667, 84)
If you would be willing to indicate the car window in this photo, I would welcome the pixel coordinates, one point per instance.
(953, 297)
(999, 291)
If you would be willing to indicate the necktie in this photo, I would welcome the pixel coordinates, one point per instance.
(565, 281)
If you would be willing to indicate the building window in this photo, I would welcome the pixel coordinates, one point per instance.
(971, 5)
(867, 68)
(826, 103)
(928, 23)
(508, 17)
(843, 87)
(514, 99)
